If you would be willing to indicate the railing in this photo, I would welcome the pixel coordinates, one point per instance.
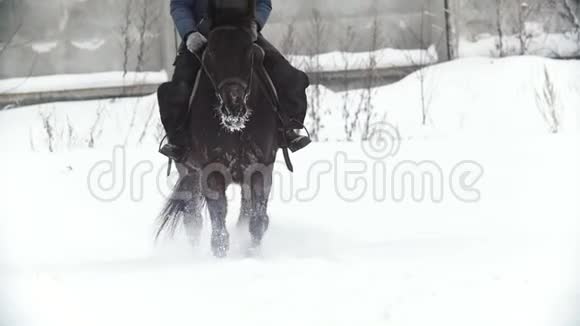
(335, 80)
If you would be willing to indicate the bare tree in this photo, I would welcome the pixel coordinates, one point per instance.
(159, 131)
(568, 10)
(5, 45)
(136, 109)
(148, 18)
(71, 133)
(8, 43)
(424, 59)
(125, 30)
(148, 121)
(519, 15)
(570, 13)
(525, 11)
(451, 25)
(96, 128)
(346, 46)
(499, 9)
(371, 78)
(288, 43)
(31, 140)
(317, 29)
(547, 102)
(48, 126)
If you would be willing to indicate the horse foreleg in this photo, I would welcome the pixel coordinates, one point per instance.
(261, 184)
(192, 215)
(215, 196)
(246, 207)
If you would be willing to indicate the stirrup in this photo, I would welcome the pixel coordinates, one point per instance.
(299, 143)
(176, 153)
(172, 151)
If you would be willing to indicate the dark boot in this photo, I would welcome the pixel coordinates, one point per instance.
(173, 105)
(296, 141)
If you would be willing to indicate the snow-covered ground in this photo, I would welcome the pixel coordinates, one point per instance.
(379, 59)
(342, 249)
(481, 97)
(535, 42)
(79, 81)
(333, 61)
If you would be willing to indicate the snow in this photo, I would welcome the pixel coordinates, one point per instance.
(69, 259)
(467, 97)
(44, 47)
(509, 258)
(91, 45)
(79, 81)
(563, 45)
(379, 59)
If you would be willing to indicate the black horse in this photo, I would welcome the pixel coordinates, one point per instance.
(233, 123)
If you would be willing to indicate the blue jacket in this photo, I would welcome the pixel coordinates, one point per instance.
(188, 13)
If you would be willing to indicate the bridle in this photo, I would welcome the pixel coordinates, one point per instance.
(217, 87)
(271, 90)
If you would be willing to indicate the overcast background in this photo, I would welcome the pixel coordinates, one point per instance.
(77, 36)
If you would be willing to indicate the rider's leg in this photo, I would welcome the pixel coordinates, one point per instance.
(173, 104)
(291, 85)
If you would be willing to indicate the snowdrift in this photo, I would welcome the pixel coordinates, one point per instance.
(478, 96)
(331, 256)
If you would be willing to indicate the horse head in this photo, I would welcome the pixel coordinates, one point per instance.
(229, 61)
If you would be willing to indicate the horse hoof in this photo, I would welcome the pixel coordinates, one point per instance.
(242, 224)
(220, 252)
(194, 242)
(220, 244)
(194, 238)
(253, 251)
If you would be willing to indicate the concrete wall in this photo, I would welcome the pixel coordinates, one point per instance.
(69, 36)
(72, 36)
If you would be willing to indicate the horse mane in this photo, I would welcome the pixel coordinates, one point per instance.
(232, 12)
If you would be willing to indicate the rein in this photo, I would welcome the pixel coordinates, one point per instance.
(209, 76)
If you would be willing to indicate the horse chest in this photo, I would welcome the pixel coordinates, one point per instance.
(236, 154)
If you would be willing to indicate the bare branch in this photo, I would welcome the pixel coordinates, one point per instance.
(289, 39)
(346, 45)
(547, 102)
(125, 33)
(10, 39)
(47, 124)
(569, 12)
(499, 27)
(96, 128)
(147, 122)
(148, 18)
(317, 31)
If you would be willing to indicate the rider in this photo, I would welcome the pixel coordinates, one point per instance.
(190, 20)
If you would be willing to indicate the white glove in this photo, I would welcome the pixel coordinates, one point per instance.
(195, 41)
